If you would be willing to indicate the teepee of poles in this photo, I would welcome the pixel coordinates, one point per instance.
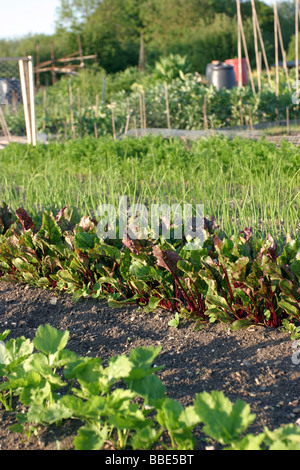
(258, 41)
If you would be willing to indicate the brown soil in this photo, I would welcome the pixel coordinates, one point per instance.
(254, 365)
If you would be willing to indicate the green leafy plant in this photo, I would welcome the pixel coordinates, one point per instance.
(241, 280)
(124, 405)
(175, 322)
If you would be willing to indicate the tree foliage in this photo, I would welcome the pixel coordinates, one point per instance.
(202, 30)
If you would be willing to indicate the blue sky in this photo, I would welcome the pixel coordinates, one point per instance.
(22, 17)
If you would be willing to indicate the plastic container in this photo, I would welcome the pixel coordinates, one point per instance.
(235, 65)
(220, 75)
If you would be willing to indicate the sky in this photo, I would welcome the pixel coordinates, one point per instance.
(22, 17)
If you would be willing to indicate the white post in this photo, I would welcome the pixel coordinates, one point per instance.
(25, 100)
(27, 87)
(32, 100)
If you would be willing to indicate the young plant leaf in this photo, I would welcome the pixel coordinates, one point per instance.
(175, 322)
(149, 387)
(222, 420)
(90, 437)
(49, 340)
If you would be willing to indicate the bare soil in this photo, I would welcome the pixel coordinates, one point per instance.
(254, 365)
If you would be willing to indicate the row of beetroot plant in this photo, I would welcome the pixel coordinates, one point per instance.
(239, 280)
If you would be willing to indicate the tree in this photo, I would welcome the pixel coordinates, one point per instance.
(199, 29)
(72, 13)
(113, 30)
(286, 10)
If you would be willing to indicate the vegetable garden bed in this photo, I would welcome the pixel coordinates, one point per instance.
(221, 318)
(254, 365)
(238, 282)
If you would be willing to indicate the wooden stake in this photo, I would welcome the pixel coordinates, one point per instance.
(259, 68)
(127, 124)
(141, 66)
(241, 112)
(288, 120)
(24, 79)
(263, 47)
(66, 130)
(283, 54)
(113, 119)
(144, 110)
(37, 66)
(141, 111)
(78, 100)
(103, 89)
(96, 130)
(286, 71)
(250, 119)
(31, 99)
(52, 64)
(71, 109)
(96, 116)
(242, 35)
(240, 75)
(80, 52)
(25, 100)
(297, 47)
(97, 106)
(127, 118)
(256, 46)
(79, 110)
(247, 59)
(205, 113)
(44, 108)
(276, 49)
(135, 126)
(167, 105)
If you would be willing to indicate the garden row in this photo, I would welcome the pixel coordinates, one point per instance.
(183, 104)
(241, 280)
(121, 406)
(238, 277)
(242, 183)
(78, 107)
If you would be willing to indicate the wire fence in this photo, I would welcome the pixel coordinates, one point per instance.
(12, 120)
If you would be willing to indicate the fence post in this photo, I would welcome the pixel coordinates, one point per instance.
(276, 48)
(256, 46)
(167, 105)
(27, 86)
(44, 108)
(71, 109)
(240, 76)
(32, 101)
(297, 46)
